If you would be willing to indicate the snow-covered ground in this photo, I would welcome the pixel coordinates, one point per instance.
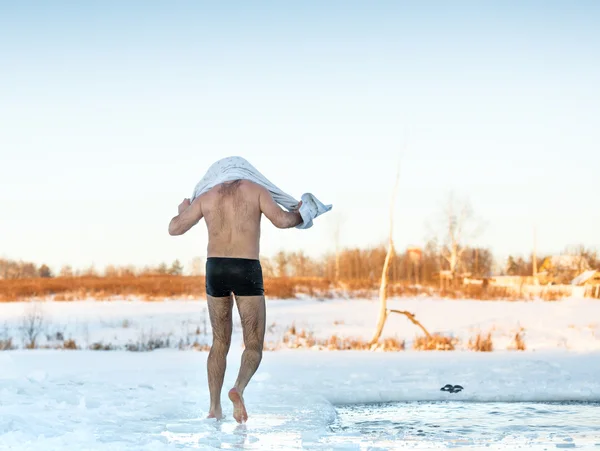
(572, 324)
(298, 399)
(89, 400)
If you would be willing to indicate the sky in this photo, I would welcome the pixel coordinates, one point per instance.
(111, 112)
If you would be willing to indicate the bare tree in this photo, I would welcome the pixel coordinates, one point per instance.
(66, 271)
(162, 268)
(281, 261)
(32, 325)
(383, 312)
(111, 271)
(534, 258)
(336, 235)
(176, 268)
(461, 226)
(90, 271)
(267, 267)
(197, 266)
(300, 264)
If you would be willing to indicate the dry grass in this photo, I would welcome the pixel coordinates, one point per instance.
(158, 287)
(203, 347)
(73, 288)
(101, 347)
(436, 342)
(6, 344)
(152, 287)
(70, 344)
(301, 339)
(518, 343)
(481, 343)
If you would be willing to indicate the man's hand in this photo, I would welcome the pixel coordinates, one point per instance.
(297, 209)
(183, 206)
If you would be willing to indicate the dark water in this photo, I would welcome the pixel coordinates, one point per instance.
(435, 425)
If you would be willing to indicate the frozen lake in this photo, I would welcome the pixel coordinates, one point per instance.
(119, 400)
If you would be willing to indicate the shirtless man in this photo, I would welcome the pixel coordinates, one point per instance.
(232, 212)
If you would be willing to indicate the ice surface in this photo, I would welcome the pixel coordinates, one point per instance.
(117, 400)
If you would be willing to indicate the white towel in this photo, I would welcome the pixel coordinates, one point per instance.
(237, 168)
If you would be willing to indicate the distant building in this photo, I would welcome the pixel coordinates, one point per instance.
(591, 277)
(562, 269)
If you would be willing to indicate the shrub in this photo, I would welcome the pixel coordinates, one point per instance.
(436, 342)
(481, 343)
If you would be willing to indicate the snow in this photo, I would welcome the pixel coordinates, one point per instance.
(119, 400)
(583, 277)
(572, 324)
(56, 400)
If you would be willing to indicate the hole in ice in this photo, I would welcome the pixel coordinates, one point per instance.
(556, 424)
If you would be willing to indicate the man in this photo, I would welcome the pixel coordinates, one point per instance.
(232, 212)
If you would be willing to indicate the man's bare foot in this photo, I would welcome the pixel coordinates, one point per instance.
(215, 413)
(239, 409)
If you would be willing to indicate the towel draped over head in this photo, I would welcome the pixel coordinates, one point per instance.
(237, 168)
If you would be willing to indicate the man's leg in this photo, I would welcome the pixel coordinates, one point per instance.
(219, 310)
(253, 314)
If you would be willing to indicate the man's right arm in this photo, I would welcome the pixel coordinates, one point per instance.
(280, 218)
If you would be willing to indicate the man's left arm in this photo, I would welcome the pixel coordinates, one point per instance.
(189, 215)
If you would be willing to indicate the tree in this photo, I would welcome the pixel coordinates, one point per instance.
(477, 261)
(66, 271)
(197, 266)
(512, 269)
(110, 271)
(90, 271)
(336, 235)
(300, 264)
(45, 271)
(281, 261)
(162, 268)
(267, 267)
(176, 268)
(461, 226)
(383, 312)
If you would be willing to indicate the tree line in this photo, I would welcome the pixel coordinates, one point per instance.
(449, 249)
(413, 265)
(12, 269)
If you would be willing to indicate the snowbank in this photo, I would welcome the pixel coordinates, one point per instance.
(570, 324)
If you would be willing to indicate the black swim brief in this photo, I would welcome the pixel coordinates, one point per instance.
(240, 276)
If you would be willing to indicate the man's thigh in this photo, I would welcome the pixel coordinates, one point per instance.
(220, 313)
(253, 314)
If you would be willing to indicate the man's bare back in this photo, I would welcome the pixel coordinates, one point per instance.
(232, 212)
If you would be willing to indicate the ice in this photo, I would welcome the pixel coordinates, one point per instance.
(101, 400)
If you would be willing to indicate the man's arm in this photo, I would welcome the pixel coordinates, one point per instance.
(280, 218)
(189, 215)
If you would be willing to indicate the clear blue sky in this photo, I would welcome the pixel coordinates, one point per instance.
(110, 112)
